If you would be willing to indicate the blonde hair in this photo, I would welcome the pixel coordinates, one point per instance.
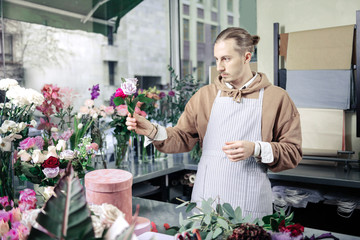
(244, 41)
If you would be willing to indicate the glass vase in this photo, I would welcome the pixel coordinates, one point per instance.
(120, 153)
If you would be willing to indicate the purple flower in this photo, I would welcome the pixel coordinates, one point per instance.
(161, 95)
(51, 172)
(171, 93)
(39, 142)
(95, 92)
(112, 101)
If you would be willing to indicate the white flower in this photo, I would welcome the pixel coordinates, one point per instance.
(33, 123)
(21, 126)
(98, 226)
(7, 126)
(54, 129)
(89, 103)
(79, 115)
(48, 192)
(61, 145)
(37, 156)
(67, 155)
(7, 83)
(51, 172)
(17, 96)
(132, 80)
(128, 88)
(95, 116)
(24, 156)
(5, 145)
(51, 152)
(80, 126)
(108, 213)
(34, 97)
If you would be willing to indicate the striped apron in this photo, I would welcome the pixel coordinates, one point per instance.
(243, 183)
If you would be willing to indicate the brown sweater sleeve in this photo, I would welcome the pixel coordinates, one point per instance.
(281, 127)
(182, 137)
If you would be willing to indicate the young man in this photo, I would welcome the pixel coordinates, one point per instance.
(244, 124)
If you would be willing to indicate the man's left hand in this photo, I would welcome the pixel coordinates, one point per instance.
(238, 150)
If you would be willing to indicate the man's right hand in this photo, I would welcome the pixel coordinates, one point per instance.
(140, 124)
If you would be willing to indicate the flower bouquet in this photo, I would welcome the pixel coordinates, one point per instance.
(43, 162)
(127, 97)
(16, 109)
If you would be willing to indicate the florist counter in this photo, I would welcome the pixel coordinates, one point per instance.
(161, 212)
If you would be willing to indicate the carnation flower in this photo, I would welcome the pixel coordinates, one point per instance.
(7, 83)
(131, 80)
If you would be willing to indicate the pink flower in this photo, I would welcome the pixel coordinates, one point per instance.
(51, 172)
(4, 201)
(120, 93)
(95, 146)
(4, 227)
(22, 230)
(67, 134)
(39, 142)
(128, 88)
(27, 199)
(15, 215)
(122, 110)
(138, 111)
(11, 235)
(27, 143)
(109, 110)
(84, 110)
(4, 215)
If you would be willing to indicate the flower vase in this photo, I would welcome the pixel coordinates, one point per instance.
(145, 153)
(120, 153)
(6, 174)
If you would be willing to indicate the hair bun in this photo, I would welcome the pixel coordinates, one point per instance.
(255, 39)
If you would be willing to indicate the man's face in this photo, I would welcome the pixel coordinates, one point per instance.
(229, 62)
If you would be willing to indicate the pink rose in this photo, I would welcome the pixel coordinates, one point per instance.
(95, 146)
(109, 110)
(27, 143)
(120, 93)
(122, 110)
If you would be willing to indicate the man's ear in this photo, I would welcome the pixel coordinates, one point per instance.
(248, 56)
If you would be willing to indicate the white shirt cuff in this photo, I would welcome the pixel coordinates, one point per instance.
(160, 135)
(266, 154)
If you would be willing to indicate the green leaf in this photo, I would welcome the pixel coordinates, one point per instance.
(190, 207)
(67, 214)
(289, 218)
(118, 101)
(217, 233)
(274, 225)
(209, 235)
(219, 209)
(207, 219)
(171, 231)
(183, 204)
(223, 223)
(238, 214)
(206, 207)
(228, 210)
(181, 219)
(144, 99)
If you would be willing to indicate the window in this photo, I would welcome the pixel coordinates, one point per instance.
(8, 48)
(186, 29)
(200, 71)
(200, 1)
(214, 33)
(186, 9)
(200, 32)
(185, 70)
(230, 5)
